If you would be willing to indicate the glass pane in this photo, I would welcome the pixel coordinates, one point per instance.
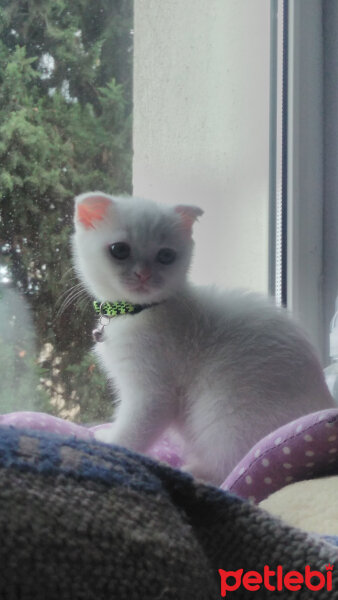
(66, 114)
(201, 127)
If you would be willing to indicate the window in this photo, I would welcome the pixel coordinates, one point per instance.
(201, 126)
(66, 127)
(309, 145)
(179, 102)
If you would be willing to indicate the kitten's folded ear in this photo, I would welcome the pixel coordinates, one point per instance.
(188, 214)
(90, 208)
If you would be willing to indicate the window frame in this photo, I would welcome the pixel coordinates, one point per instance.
(301, 180)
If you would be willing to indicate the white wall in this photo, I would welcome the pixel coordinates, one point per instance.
(201, 115)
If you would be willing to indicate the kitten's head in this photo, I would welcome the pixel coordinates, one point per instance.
(132, 249)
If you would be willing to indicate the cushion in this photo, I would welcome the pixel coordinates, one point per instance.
(303, 449)
(168, 449)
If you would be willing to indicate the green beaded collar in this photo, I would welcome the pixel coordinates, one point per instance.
(114, 309)
(108, 310)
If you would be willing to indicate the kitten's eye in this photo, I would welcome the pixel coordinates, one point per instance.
(120, 250)
(166, 256)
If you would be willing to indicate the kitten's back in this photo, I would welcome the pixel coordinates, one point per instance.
(246, 340)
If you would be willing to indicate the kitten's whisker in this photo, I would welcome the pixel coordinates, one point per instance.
(69, 275)
(65, 292)
(74, 295)
(71, 269)
(69, 294)
(65, 306)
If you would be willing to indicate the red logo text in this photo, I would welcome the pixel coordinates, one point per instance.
(277, 579)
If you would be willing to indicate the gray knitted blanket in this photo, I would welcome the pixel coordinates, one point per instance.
(85, 521)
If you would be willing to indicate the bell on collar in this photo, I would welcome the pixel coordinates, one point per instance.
(98, 334)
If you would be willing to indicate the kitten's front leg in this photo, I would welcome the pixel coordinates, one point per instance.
(139, 422)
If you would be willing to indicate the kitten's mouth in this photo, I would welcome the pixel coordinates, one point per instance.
(140, 288)
(141, 293)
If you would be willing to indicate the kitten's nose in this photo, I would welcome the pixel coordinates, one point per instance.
(143, 275)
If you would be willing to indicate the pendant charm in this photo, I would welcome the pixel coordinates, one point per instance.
(104, 320)
(98, 334)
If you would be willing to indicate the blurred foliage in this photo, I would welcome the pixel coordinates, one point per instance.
(65, 127)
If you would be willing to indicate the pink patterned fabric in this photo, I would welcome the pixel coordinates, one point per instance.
(302, 449)
(43, 422)
(168, 449)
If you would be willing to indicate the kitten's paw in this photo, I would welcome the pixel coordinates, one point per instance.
(193, 469)
(201, 474)
(105, 435)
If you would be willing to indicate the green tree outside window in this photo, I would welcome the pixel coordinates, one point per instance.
(65, 127)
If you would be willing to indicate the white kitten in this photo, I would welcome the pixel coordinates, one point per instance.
(224, 368)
